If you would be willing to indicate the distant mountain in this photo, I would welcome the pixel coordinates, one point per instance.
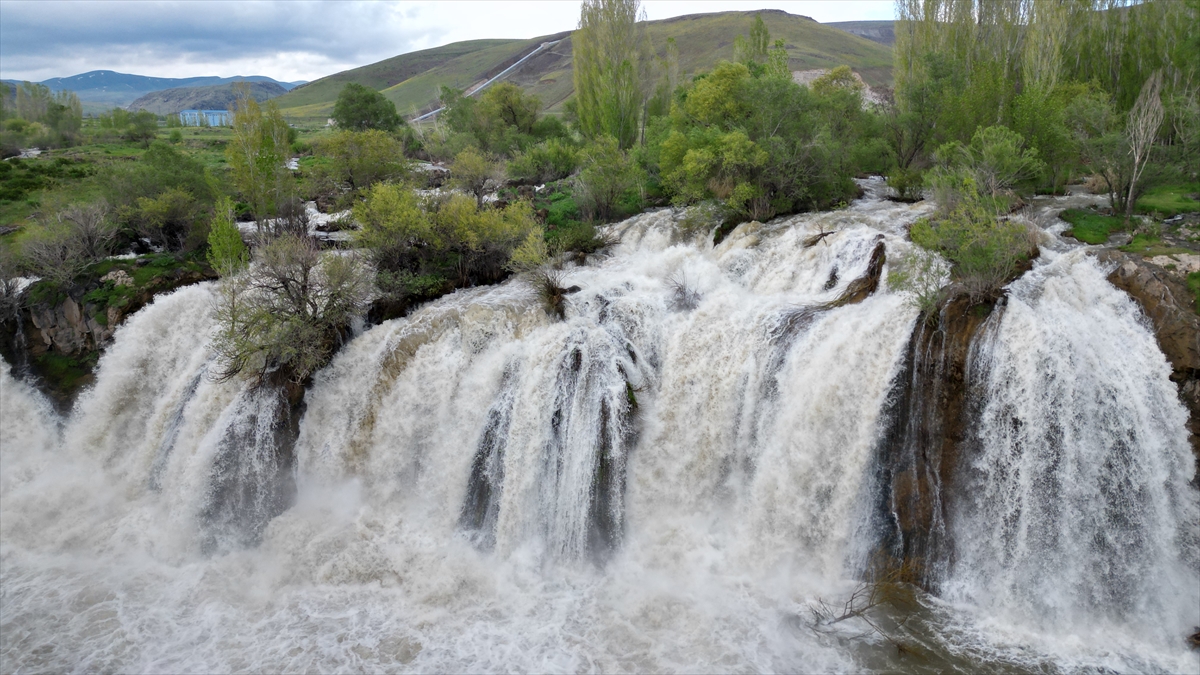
(876, 31)
(101, 90)
(412, 81)
(214, 97)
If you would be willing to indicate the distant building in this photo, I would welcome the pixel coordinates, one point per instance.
(205, 118)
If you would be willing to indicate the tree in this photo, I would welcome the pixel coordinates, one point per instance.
(360, 158)
(289, 311)
(227, 252)
(504, 104)
(359, 108)
(256, 154)
(471, 172)
(143, 126)
(996, 160)
(607, 66)
(1145, 118)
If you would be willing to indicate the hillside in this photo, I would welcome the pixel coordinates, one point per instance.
(882, 32)
(703, 40)
(215, 97)
(101, 90)
(386, 73)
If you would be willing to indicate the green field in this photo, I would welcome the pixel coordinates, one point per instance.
(1169, 200)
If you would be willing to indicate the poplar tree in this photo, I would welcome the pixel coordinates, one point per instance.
(608, 65)
(256, 154)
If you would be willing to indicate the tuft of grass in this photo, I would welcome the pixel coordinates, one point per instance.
(1091, 227)
(1169, 200)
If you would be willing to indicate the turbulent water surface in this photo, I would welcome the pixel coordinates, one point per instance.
(667, 480)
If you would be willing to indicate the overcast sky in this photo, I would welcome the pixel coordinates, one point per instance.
(297, 40)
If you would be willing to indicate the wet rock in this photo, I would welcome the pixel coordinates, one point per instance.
(919, 453)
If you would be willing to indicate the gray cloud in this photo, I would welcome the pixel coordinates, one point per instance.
(37, 39)
(295, 40)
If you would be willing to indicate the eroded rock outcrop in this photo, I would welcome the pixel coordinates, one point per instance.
(924, 436)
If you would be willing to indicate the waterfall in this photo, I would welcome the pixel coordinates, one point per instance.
(706, 443)
(1078, 511)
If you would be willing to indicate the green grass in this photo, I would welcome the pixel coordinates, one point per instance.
(1169, 200)
(1150, 246)
(151, 273)
(65, 373)
(1091, 227)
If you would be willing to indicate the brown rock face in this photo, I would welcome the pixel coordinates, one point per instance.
(1168, 305)
(919, 452)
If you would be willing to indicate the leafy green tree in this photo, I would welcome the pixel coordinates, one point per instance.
(996, 161)
(607, 67)
(360, 108)
(227, 253)
(142, 128)
(360, 158)
(256, 155)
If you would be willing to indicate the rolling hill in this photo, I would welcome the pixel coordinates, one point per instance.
(101, 90)
(412, 81)
(214, 97)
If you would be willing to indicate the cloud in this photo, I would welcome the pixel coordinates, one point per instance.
(293, 40)
(297, 40)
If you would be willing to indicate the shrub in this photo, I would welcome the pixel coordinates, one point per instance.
(359, 108)
(547, 161)
(471, 172)
(986, 252)
(906, 183)
(609, 176)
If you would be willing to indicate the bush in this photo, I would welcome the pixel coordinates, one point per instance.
(547, 161)
(986, 252)
(906, 183)
(996, 161)
(449, 237)
(608, 180)
(166, 196)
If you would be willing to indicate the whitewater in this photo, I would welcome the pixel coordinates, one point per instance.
(666, 480)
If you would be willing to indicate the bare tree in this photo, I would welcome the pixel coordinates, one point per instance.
(1145, 118)
(92, 228)
(289, 310)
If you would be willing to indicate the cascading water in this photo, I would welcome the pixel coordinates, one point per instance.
(663, 480)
